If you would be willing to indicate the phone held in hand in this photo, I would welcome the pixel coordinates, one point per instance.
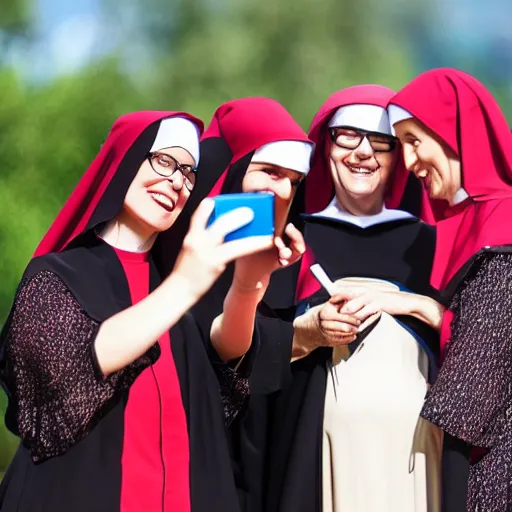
(261, 203)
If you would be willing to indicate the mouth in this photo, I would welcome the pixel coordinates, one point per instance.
(361, 171)
(162, 200)
(424, 176)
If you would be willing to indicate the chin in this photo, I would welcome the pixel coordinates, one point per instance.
(361, 192)
(435, 193)
(164, 226)
(161, 225)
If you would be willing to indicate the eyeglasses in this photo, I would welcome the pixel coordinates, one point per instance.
(350, 138)
(165, 165)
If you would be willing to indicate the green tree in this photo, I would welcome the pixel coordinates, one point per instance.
(296, 53)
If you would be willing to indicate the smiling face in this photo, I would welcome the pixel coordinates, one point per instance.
(153, 202)
(282, 182)
(430, 159)
(360, 175)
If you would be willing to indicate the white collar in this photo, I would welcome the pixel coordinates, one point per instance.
(335, 211)
(460, 195)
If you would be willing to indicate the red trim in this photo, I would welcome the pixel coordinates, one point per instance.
(155, 459)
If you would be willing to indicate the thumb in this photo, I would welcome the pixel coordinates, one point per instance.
(201, 215)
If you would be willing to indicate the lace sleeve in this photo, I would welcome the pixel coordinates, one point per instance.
(473, 389)
(55, 386)
(234, 391)
(233, 379)
(263, 370)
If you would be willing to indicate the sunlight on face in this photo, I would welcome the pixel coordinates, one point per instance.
(430, 159)
(154, 202)
(361, 175)
(282, 182)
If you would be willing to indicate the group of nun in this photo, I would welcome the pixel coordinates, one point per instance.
(151, 365)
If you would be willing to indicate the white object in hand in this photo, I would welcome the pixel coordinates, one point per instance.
(322, 277)
(331, 288)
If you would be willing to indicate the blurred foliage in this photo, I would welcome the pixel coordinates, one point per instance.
(191, 55)
(15, 17)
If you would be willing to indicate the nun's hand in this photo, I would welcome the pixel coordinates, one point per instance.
(322, 326)
(253, 272)
(204, 254)
(292, 253)
(336, 327)
(363, 301)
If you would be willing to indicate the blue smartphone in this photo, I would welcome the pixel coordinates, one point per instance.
(261, 203)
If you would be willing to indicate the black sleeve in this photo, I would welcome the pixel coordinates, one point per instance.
(50, 368)
(271, 370)
(455, 471)
(233, 376)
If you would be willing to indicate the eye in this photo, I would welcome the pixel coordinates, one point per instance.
(347, 133)
(380, 143)
(412, 141)
(270, 171)
(164, 160)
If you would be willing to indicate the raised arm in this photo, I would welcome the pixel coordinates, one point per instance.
(204, 256)
(232, 331)
(61, 368)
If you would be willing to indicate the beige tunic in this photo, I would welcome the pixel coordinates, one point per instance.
(378, 454)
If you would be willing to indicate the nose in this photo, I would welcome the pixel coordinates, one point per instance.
(176, 181)
(410, 158)
(284, 188)
(364, 150)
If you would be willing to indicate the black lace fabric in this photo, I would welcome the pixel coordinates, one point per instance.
(50, 369)
(472, 396)
(234, 390)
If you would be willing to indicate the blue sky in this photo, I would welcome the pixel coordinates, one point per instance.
(72, 32)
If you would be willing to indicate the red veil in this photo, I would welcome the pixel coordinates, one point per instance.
(463, 113)
(237, 129)
(100, 193)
